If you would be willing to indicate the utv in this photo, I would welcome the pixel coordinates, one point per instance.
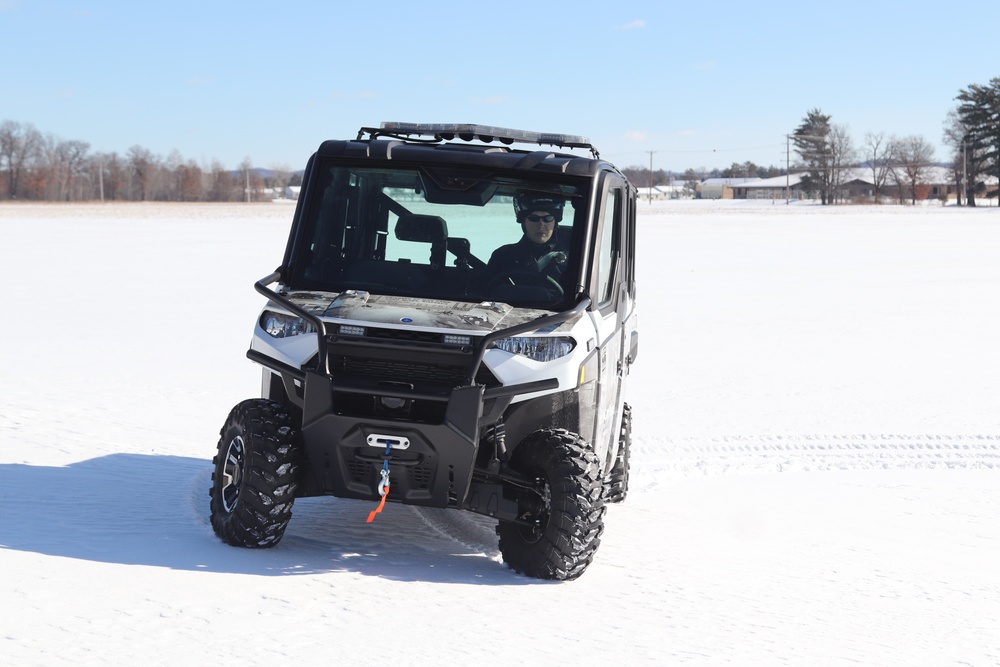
(404, 361)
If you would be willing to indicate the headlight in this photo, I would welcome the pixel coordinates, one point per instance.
(278, 325)
(537, 348)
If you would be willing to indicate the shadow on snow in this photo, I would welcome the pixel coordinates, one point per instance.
(136, 509)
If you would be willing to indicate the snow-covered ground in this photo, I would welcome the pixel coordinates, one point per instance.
(815, 479)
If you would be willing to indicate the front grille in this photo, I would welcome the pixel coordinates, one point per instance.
(405, 335)
(374, 370)
(359, 471)
(411, 372)
(363, 468)
(420, 476)
(409, 359)
(435, 338)
(393, 371)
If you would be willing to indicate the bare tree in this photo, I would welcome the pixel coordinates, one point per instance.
(245, 176)
(180, 180)
(220, 186)
(953, 136)
(253, 184)
(190, 182)
(114, 176)
(279, 178)
(47, 168)
(879, 153)
(172, 166)
(141, 163)
(915, 156)
(691, 178)
(842, 155)
(65, 162)
(19, 145)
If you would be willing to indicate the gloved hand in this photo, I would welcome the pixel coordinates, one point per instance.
(557, 256)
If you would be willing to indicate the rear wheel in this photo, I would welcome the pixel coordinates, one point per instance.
(562, 515)
(617, 482)
(255, 476)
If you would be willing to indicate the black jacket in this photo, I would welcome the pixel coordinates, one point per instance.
(528, 256)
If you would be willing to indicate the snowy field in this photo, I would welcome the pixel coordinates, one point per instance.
(815, 481)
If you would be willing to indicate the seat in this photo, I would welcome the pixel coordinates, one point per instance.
(421, 228)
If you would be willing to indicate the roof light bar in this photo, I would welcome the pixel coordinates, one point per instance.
(485, 133)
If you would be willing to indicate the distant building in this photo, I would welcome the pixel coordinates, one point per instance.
(776, 187)
(660, 192)
(856, 185)
(720, 188)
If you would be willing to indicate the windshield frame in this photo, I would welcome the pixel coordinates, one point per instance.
(352, 210)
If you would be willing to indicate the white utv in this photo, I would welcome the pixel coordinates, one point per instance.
(413, 353)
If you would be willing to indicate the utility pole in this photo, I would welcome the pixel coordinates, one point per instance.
(965, 172)
(788, 160)
(788, 163)
(650, 176)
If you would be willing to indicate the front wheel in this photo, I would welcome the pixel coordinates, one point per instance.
(255, 476)
(562, 516)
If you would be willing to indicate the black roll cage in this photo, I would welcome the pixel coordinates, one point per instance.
(434, 133)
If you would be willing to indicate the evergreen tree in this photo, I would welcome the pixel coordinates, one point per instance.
(979, 113)
(812, 143)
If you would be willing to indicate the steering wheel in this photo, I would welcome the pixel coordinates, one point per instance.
(522, 278)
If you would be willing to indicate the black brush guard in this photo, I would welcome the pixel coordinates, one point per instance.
(346, 452)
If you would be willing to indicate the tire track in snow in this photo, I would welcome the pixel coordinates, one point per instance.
(658, 460)
(473, 531)
(751, 454)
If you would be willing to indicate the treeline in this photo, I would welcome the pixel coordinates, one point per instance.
(827, 154)
(640, 175)
(828, 157)
(41, 167)
(34, 166)
(972, 131)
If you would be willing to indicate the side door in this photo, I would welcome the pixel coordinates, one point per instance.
(613, 293)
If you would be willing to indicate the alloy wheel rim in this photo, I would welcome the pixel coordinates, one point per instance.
(232, 474)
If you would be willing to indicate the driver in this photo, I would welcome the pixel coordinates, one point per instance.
(540, 249)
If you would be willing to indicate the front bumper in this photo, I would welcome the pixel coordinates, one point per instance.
(435, 469)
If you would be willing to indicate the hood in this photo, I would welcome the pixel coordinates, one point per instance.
(397, 311)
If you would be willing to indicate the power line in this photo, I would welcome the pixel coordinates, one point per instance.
(704, 150)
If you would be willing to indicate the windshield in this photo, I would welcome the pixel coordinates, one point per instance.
(441, 232)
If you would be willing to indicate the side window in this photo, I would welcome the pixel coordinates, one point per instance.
(608, 253)
(628, 245)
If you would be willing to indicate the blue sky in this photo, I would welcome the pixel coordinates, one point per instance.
(701, 84)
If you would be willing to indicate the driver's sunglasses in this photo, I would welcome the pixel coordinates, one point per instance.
(540, 218)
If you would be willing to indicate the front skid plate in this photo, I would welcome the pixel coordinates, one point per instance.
(433, 469)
